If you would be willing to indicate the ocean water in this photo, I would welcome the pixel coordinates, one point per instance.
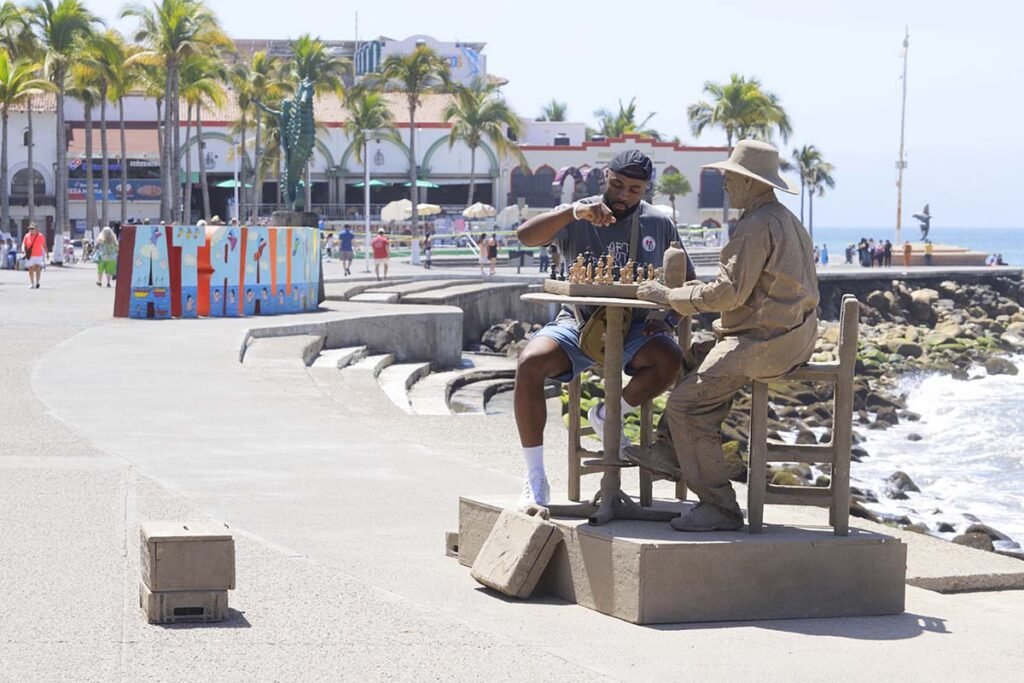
(1006, 241)
(970, 459)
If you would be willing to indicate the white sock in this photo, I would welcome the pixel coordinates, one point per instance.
(534, 456)
(625, 409)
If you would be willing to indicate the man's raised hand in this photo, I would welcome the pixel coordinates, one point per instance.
(598, 214)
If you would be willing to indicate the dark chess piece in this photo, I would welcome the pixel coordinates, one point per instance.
(554, 271)
(616, 273)
(562, 277)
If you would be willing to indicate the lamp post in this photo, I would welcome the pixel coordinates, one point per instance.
(366, 204)
(238, 152)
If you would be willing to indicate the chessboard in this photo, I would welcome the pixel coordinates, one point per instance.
(616, 290)
(599, 277)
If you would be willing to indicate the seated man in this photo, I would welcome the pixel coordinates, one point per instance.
(618, 223)
(767, 293)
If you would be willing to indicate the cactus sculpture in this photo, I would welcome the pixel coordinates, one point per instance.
(298, 135)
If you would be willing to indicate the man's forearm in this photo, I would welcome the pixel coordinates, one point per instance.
(542, 229)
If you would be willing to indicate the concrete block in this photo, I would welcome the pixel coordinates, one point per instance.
(173, 607)
(516, 552)
(187, 556)
(451, 544)
(647, 573)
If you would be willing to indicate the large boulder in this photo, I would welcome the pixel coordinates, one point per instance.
(909, 349)
(975, 540)
(877, 300)
(925, 295)
(997, 365)
(898, 484)
(1014, 335)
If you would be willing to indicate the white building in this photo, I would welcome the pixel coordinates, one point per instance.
(561, 162)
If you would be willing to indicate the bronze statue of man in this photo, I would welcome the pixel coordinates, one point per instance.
(767, 295)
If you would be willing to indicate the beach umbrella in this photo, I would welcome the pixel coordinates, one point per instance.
(479, 210)
(398, 210)
(373, 183)
(229, 183)
(508, 217)
(422, 183)
(426, 210)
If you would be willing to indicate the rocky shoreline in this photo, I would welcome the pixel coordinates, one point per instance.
(945, 327)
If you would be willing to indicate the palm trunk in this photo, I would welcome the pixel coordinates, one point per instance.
(90, 181)
(675, 216)
(241, 177)
(124, 165)
(413, 190)
(472, 178)
(202, 162)
(810, 214)
(279, 191)
(31, 167)
(257, 156)
(5, 199)
(104, 169)
(309, 186)
(61, 184)
(187, 208)
(167, 196)
(176, 151)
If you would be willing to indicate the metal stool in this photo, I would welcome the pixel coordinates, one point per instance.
(837, 452)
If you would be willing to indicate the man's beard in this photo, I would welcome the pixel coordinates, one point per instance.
(620, 214)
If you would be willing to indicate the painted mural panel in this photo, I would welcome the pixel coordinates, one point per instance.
(216, 271)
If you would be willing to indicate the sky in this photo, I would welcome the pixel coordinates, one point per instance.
(835, 65)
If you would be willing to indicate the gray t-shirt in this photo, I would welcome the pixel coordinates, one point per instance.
(655, 235)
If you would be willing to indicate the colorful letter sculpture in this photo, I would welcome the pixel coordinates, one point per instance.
(186, 271)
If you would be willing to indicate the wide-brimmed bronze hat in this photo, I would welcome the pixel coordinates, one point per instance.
(757, 160)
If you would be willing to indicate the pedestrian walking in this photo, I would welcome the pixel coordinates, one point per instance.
(106, 250)
(34, 246)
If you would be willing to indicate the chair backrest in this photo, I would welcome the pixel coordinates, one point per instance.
(849, 319)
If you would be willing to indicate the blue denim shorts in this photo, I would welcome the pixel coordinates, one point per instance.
(566, 332)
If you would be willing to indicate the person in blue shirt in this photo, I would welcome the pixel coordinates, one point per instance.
(346, 249)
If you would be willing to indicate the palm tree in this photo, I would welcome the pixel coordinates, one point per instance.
(172, 30)
(122, 79)
(313, 61)
(83, 87)
(201, 78)
(151, 79)
(674, 185)
(17, 38)
(805, 158)
(102, 62)
(263, 84)
(18, 82)
(61, 29)
(368, 117)
(553, 111)
(742, 108)
(416, 74)
(477, 114)
(819, 177)
(617, 124)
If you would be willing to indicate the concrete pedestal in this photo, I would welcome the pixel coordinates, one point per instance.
(647, 573)
(295, 219)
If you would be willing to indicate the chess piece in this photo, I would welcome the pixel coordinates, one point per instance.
(561, 275)
(554, 272)
(589, 278)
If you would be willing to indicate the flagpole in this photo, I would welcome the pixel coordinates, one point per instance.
(901, 162)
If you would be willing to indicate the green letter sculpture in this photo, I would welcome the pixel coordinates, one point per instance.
(298, 135)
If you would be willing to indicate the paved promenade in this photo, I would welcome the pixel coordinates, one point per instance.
(339, 502)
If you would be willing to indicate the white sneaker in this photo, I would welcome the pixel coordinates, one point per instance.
(597, 422)
(536, 491)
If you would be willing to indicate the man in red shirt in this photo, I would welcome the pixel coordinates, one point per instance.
(381, 253)
(34, 246)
